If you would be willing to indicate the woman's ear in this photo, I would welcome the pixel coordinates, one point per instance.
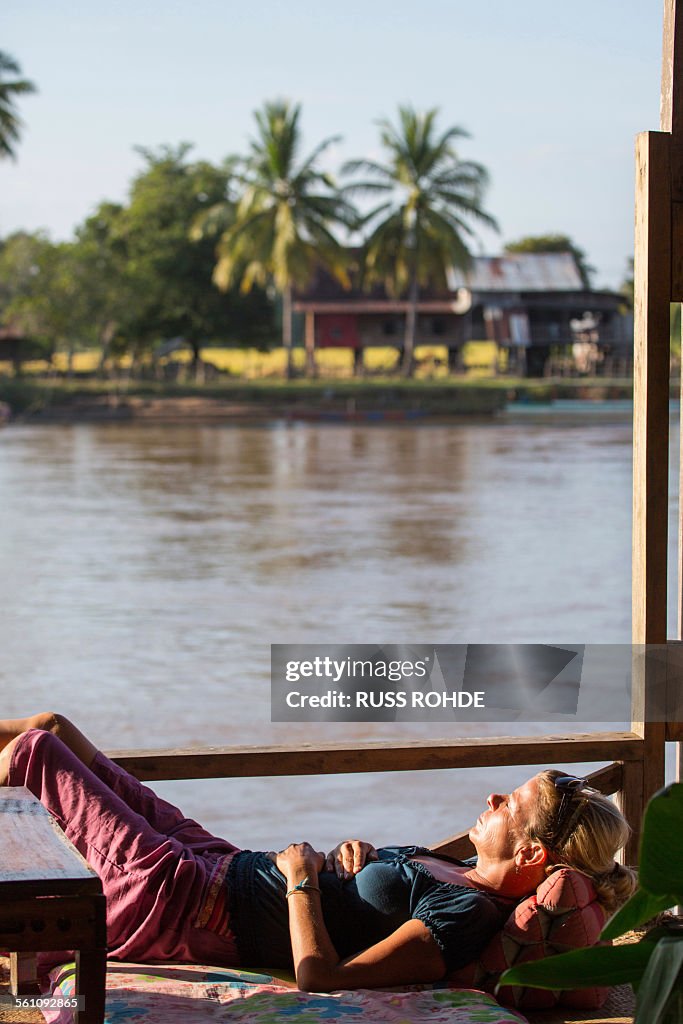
(531, 854)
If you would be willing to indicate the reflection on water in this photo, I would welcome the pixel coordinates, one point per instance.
(146, 570)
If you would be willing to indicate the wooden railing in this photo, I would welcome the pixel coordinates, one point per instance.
(342, 759)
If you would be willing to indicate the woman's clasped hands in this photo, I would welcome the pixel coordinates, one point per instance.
(346, 860)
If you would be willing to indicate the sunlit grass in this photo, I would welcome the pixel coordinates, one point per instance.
(252, 364)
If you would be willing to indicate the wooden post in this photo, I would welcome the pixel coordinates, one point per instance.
(652, 275)
(287, 336)
(23, 976)
(671, 120)
(678, 771)
(652, 271)
(658, 276)
(309, 342)
(671, 98)
(91, 966)
(631, 803)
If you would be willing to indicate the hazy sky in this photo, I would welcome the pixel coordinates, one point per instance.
(552, 94)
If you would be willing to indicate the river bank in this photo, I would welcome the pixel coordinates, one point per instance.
(60, 400)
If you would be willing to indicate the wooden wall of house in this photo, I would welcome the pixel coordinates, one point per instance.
(432, 329)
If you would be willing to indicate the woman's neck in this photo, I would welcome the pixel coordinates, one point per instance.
(503, 878)
(493, 878)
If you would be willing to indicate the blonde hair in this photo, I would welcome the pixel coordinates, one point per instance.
(588, 839)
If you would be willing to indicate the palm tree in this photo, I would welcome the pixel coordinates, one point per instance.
(282, 223)
(10, 123)
(420, 230)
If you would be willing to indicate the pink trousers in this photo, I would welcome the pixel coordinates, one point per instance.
(163, 875)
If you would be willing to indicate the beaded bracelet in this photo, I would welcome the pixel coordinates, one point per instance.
(302, 886)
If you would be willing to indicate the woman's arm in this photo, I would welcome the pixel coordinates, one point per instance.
(407, 956)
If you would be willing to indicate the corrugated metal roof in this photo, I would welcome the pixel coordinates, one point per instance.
(523, 272)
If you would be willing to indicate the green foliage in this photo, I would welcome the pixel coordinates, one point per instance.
(10, 88)
(286, 209)
(20, 394)
(280, 222)
(654, 966)
(423, 224)
(37, 289)
(21, 255)
(607, 965)
(111, 293)
(661, 863)
(132, 276)
(170, 271)
(276, 227)
(60, 295)
(555, 243)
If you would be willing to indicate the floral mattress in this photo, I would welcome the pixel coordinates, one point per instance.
(185, 994)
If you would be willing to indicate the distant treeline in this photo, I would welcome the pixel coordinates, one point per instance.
(212, 254)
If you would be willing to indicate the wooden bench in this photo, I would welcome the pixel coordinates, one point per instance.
(50, 899)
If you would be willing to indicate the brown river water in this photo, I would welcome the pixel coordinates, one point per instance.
(146, 570)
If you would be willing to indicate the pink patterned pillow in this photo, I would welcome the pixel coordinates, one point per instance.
(562, 914)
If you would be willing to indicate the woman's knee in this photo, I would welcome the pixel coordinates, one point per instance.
(48, 721)
(51, 722)
(68, 733)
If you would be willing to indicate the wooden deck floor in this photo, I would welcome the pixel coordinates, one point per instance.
(7, 1015)
(617, 1010)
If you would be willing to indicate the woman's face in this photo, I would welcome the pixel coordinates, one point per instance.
(499, 830)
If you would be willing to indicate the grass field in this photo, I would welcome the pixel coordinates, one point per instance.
(252, 364)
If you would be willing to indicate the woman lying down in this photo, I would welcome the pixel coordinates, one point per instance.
(354, 918)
